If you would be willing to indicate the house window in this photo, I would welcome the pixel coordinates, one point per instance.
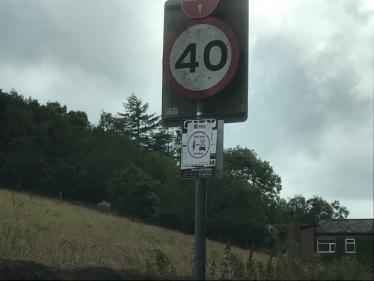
(350, 246)
(326, 245)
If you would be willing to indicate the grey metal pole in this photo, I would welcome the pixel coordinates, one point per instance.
(200, 216)
(200, 228)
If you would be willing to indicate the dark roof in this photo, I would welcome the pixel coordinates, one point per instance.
(308, 226)
(346, 226)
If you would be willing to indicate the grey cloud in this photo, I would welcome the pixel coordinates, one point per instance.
(355, 9)
(304, 99)
(98, 53)
(100, 39)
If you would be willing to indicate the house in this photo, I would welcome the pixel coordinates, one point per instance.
(337, 238)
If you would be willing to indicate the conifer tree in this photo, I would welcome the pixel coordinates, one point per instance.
(137, 122)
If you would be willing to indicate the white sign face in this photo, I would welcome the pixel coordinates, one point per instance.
(198, 145)
(201, 57)
(198, 63)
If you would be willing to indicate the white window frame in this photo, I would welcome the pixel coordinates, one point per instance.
(330, 244)
(350, 241)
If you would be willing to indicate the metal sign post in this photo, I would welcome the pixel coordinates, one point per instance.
(200, 228)
(200, 215)
(201, 158)
(205, 76)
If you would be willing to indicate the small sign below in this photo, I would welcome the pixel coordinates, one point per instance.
(202, 149)
(194, 173)
(198, 144)
(189, 174)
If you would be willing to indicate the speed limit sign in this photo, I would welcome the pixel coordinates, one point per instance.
(200, 57)
(205, 61)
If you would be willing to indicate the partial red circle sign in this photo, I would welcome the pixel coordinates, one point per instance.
(200, 57)
(199, 8)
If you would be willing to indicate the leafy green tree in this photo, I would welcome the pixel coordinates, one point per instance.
(69, 167)
(160, 167)
(20, 154)
(319, 209)
(244, 163)
(3, 126)
(111, 124)
(315, 209)
(236, 209)
(134, 192)
(298, 207)
(175, 210)
(278, 213)
(339, 212)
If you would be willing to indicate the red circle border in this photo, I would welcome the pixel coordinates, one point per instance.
(230, 72)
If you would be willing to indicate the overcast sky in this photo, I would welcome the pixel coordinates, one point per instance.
(310, 79)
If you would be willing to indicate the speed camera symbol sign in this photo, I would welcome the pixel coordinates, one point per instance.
(201, 57)
(198, 145)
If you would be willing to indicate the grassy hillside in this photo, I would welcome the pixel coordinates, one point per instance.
(57, 233)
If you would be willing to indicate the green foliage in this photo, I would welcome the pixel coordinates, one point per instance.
(236, 209)
(226, 259)
(134, 192)
(130, 159)
(244, 163)
(315, 209)
(159, 262)
(138, 123)
(250, 270)
(111, 125)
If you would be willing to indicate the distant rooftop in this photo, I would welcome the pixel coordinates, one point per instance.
(345, 226)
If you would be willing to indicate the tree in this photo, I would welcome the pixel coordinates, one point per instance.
(244, 163)
(137, 122)
(160, 140)
(111, 124)
(315, 209)
(298, 207)
(20, 154)
(236, 209)
(135, 192)
(340, 212)
(175, 210)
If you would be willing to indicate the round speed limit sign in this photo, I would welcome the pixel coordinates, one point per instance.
(201, 57)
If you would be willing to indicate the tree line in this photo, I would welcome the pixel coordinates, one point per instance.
(129, 159)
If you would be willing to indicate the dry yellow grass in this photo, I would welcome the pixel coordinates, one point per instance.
(58, 233)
